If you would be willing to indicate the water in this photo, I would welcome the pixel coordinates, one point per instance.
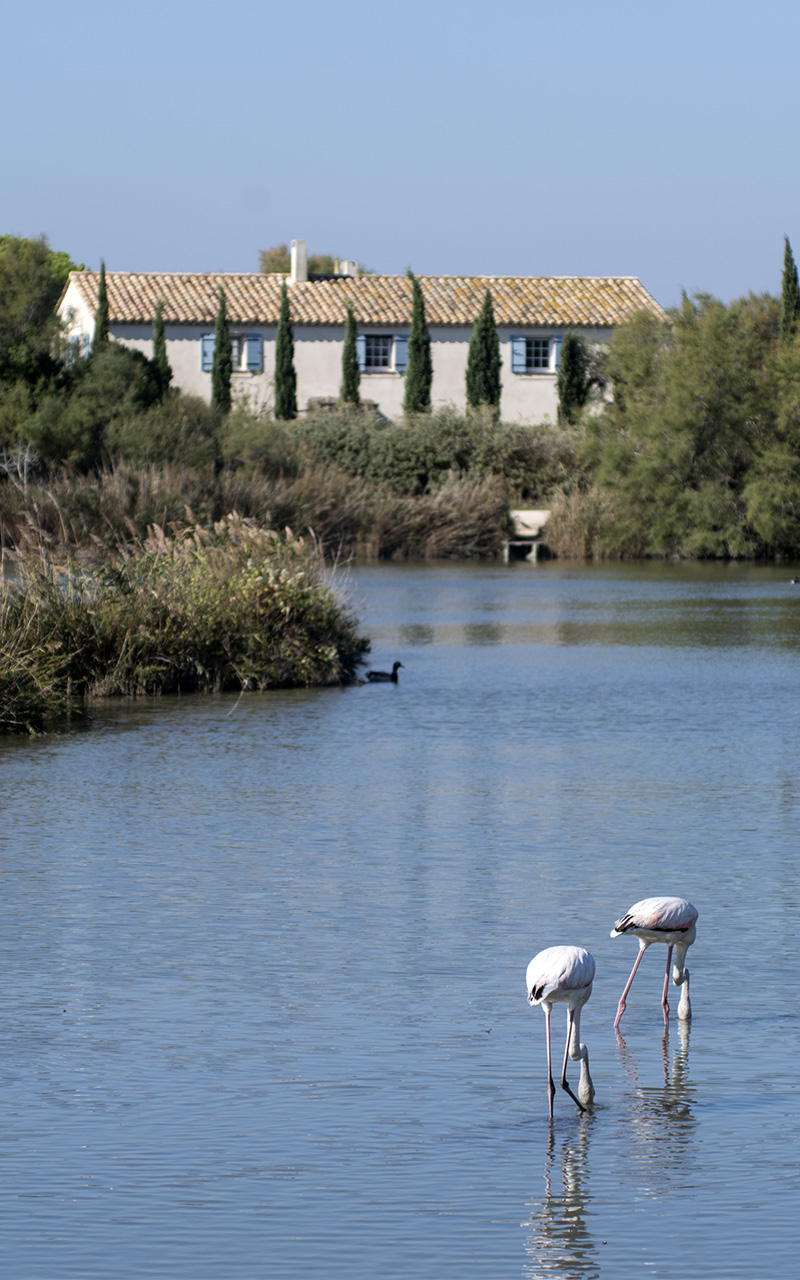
(263, 1010)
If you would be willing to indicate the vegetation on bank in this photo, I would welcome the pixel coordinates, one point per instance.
(232, 607)
(681, 439)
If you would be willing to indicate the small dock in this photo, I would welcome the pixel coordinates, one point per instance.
(526, 542)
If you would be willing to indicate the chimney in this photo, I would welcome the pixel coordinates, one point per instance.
(347, 267)
(299, 262)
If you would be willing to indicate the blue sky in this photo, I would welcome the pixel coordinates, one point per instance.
(632, 137)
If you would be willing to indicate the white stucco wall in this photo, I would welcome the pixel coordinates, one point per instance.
(526, 398)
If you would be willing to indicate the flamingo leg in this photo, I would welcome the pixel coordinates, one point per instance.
(621, 1008)
(551, 1088)
(564, 1085)
(664, 1000)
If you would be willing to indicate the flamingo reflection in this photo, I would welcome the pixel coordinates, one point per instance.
(662, 1119)
(559, 1242)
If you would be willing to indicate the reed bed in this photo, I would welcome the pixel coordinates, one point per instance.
(345, 514)
(233, 607)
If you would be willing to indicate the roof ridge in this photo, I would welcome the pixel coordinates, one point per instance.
(253, 298)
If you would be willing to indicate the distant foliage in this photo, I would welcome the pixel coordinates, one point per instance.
(285, 376)
(351, 374)
(419, 373)
(274, 261)
(32, 278)
(573, 378)
(278, 260)
(415, 456)
(675, 460)
(222, 366)
(483, 360)
(790, 295)
(101, 315)
(161, 363)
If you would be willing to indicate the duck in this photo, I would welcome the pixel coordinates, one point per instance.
(794, 581)
(380, 677)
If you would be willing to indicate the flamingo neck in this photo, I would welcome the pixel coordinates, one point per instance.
(579, 1052)
(680, 977)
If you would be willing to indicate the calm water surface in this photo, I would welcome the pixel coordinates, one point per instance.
(263, 1009)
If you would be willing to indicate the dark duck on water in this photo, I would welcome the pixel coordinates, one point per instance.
(381, 677)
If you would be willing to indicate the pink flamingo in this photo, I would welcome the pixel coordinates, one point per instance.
(564, 974)
(668, 920)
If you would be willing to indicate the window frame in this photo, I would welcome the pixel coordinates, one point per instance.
(398, 354)
(523, 347)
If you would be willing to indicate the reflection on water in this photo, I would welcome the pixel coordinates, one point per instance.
(559, 1241)
(656, 1141)
(662, 1122)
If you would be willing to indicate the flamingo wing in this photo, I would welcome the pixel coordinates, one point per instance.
(666, 914)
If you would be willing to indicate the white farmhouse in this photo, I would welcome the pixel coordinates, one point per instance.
(532, 315)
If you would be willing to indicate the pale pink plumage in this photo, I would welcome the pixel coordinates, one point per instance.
(668, 920)
(564, 974)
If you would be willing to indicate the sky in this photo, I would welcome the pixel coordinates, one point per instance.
(633, 137)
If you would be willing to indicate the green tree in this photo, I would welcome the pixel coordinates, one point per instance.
(419, 373)
(483, 360)
(274, 261)
(278, 261)
(677, 448)
(790, 295)
(572, 382)
(285, 376)
(351, 374)
(32, 278)
(71, 424)
(160, 362)
(222, 366)
(101, 315)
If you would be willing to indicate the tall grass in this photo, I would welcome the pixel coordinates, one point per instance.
(346, 514)
(231, 607)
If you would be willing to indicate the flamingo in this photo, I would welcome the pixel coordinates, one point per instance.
(668, 920)
(564, 974)
(378, 677)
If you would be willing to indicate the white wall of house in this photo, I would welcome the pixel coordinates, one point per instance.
(526, 397)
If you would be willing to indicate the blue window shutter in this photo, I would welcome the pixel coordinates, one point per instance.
(255, 352)
(207, 347)
(557, 344)
(517, 355)
(361, 351)
(401, 352)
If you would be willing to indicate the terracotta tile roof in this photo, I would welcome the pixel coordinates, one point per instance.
(376, 300)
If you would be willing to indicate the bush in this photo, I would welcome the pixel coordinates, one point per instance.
(234, 607)
(182, 429)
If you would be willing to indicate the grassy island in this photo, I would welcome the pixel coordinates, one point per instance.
(232, 607)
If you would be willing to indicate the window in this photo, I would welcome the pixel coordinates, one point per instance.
(535, 355)
(382, 352)
(247, 352)
(377, 352)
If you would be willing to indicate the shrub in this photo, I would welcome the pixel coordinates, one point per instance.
(233, 607)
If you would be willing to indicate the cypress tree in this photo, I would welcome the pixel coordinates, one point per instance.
(285, 376)
(483, 359)
(419, 374)
(790, 295)
(161, 364)
(572, 382)
(351, 374)
(222, 366)
(101, 317)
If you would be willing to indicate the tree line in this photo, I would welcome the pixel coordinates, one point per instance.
(694, 449)
(681, 438)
